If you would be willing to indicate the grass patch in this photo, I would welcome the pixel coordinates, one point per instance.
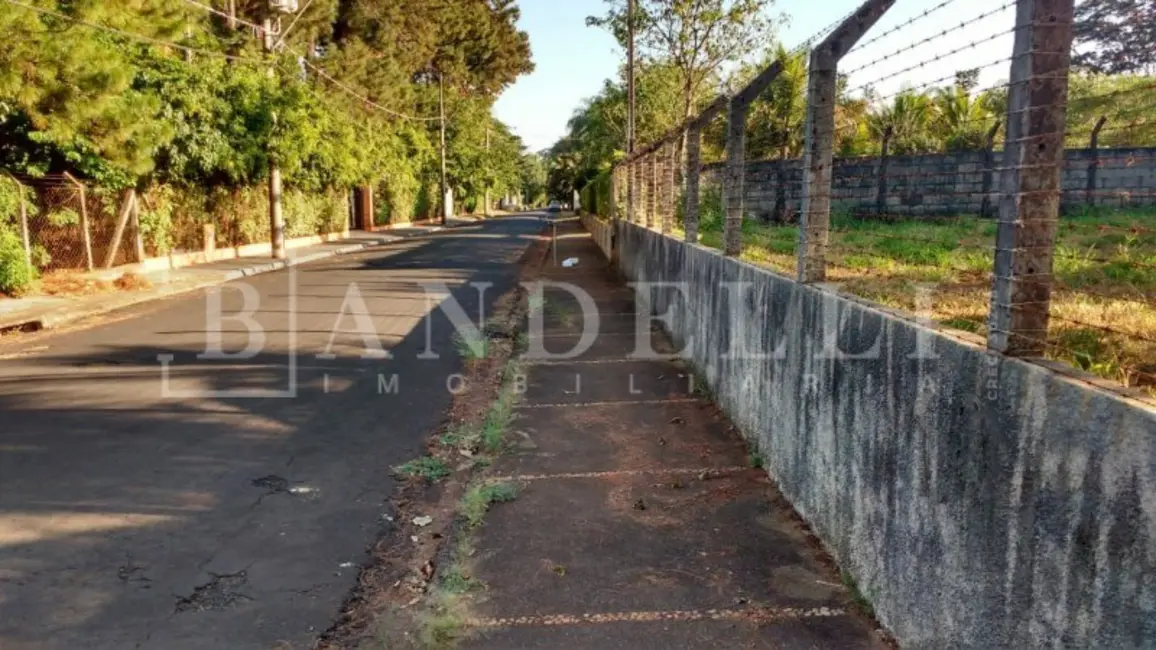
(857, 598)
(444, 625)
(426, 467)
(477, 501)
(472, 346)
(455, 580)
(501, 412)
(1105, 268)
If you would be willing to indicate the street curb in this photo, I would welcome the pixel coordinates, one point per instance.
(49, 320)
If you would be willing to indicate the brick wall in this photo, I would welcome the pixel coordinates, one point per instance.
(944, 184)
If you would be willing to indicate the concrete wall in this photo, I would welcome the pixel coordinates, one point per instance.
(980, 501)
(945, 184)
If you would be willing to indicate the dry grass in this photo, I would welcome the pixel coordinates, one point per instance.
(72, 283)
(79, 284)
(130, 281)
(1103, 308)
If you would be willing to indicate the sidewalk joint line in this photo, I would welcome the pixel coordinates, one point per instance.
(751, 614)
(666, 358)
(641, 402)
(711, 472)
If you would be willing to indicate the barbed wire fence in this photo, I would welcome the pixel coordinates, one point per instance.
(1028, 221)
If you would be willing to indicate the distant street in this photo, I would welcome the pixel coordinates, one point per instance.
(137, 513)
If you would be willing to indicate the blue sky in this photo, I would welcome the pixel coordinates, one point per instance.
(573, 60)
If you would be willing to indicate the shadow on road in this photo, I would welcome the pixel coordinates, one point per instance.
(142, 513)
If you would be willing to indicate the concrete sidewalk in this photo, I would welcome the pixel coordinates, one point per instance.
(43, 312)
(642, 521)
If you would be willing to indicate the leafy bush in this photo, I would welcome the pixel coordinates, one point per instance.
(711, 215)
(64, 217)
(16, 277)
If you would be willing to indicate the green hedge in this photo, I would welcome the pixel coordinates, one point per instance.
(597, 197)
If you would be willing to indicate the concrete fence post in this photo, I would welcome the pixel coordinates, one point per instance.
(988, 170)
(651, 188)
(209, 240)
(881, 190)
(1094, 163)
(693, 179)
(819, 136)
(640, 174)
(734, 176)
(1030, 187)
(631, 188)
(670, 183)
(613, 212)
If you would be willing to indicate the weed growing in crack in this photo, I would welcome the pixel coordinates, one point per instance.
(455, 581)
(471, 347)
(756, 460)
(444, 625)
(426, 467)
(857, 598)
(477, 501)
(501, 412)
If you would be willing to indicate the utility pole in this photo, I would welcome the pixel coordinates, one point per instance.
(630, 92)
(442, 111)
(233, 14)
(276, 218)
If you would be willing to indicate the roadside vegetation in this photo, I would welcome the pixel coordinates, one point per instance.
(1103, 306)
(186, 108)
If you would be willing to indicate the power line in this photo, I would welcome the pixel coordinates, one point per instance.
(127, 34)
(325, 75)
(320, 72)
(223, 14)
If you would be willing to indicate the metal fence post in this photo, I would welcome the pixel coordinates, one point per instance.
(85, 229)
(988, 169)
(881, 192)
(1030, 186)
(24, 235)
(693, 178)
(819, 134)
(733, 177)
(1094, 164)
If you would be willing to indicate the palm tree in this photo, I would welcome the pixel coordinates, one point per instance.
(909, 117)
(961, 121)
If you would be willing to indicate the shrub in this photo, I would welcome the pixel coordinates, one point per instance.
(16, 277)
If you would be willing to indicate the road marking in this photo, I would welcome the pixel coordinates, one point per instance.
(751, 614)
(641, 402)
(665, 358)
(710, 472)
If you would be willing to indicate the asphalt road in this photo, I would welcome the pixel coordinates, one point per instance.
(224, 503)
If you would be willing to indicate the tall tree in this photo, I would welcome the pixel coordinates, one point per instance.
(696, 36)
(1116, 36)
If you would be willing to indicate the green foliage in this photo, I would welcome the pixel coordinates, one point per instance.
(63, 217)
(426, 467)
(596, 196)
(477, 500)
(16, 276)
(1116, 36)
(118, 112)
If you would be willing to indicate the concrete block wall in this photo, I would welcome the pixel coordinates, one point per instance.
(942, 184)
(980, 501)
